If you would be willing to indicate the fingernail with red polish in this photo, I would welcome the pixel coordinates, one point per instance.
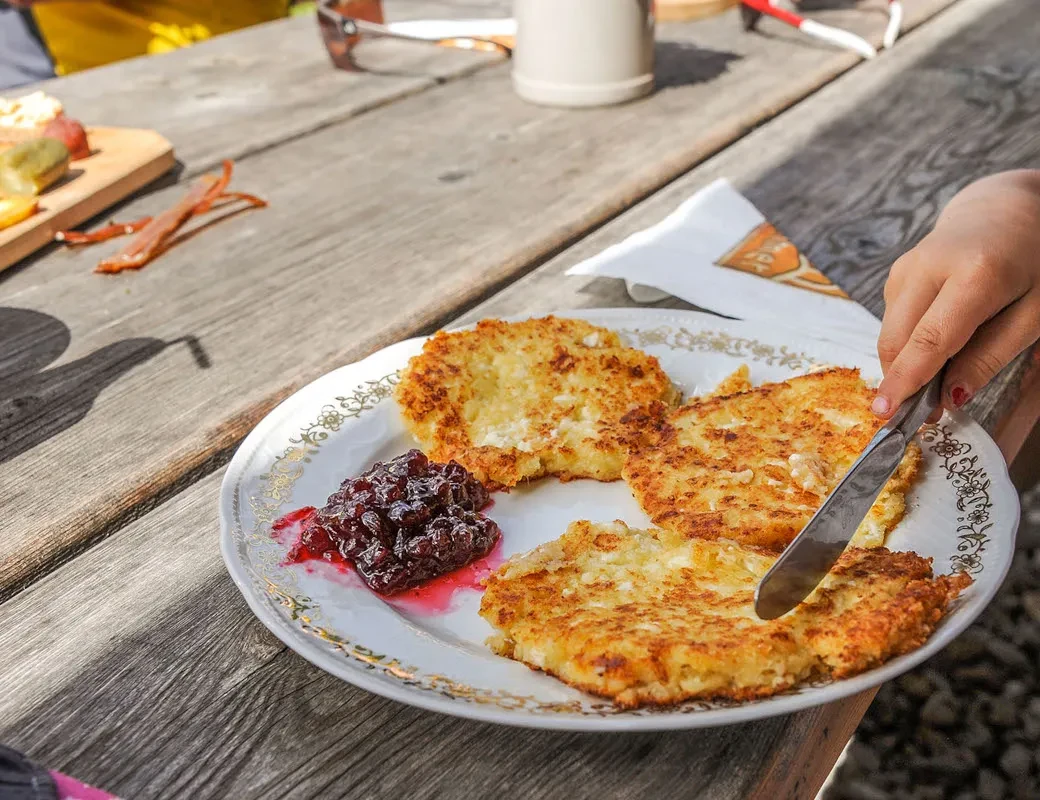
(880, 405)
(959, 396)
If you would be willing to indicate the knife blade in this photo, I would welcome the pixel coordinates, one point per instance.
(809, 558)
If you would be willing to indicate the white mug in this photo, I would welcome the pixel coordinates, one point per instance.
(583, 52)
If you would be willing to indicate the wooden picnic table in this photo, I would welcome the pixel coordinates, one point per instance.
(411, 195)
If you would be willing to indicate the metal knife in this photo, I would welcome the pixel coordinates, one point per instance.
(809, 558)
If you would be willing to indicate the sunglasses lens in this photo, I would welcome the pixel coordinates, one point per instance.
(337, 43)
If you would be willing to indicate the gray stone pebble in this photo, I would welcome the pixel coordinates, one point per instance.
(1027, 636)
(1031, 604)
(1031, 729)
(990, 786)
(941, 710)
(1008, 655)
(1016, 761)
(864, 758)
(1003, 713)
(966, 725)
(978, 737)
(968, 646)
(861, 790)
(917, 685)
(985, 676)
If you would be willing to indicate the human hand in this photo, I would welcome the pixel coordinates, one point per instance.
(969, 291)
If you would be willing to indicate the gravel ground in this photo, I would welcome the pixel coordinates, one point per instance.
(966, 724)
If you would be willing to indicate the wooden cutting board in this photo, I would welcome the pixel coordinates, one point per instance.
(123, 160)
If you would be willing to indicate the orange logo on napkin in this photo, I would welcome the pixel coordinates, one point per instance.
(768, 253)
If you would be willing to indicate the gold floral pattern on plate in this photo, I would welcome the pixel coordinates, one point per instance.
(717, 342)
(974, 504)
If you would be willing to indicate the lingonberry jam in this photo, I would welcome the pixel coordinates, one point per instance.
(403, 522)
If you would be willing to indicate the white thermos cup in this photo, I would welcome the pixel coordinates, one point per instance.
(583, 52)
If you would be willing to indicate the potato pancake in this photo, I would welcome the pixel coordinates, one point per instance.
(652, 618)
(512, 401)
(754, 466)
(734, 383)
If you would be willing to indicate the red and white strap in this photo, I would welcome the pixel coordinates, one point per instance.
(895, 23)
(818, 30)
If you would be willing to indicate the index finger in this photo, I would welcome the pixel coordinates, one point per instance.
(957, 311)
(908, 305)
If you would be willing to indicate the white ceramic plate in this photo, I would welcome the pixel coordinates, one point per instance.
(963, 513)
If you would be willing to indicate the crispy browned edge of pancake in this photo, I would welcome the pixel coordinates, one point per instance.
(903, 624)
(665, 432)
(910, 617)
(418, 397)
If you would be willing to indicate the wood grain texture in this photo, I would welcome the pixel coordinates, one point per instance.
(138, 668)
(122, 161)
(856, 174)
(1017, 432)
(256, 88)
(379, 226)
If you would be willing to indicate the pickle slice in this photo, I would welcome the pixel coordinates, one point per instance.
(30, 167)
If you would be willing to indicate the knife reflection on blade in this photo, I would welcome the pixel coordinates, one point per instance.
(809, 558)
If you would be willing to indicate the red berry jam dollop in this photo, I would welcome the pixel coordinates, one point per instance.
(404, 522)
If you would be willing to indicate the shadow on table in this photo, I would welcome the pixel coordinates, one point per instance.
(685, 64)
(806, 7)
(37, 403)
(675, 64)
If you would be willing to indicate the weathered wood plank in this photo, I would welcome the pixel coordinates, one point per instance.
(378, 226)
(139, 668)
(857, 174)
(255, 88)
(140, 653)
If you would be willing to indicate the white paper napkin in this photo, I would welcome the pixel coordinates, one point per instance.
(719, 252)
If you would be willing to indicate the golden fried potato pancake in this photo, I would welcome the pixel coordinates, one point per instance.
(517, 400)
(653, 618)
(857, 619)
(735, 383)
(754, 467)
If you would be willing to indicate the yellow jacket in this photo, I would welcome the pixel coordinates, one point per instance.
(88, 33)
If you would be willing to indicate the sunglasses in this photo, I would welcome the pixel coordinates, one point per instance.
(343, 22)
